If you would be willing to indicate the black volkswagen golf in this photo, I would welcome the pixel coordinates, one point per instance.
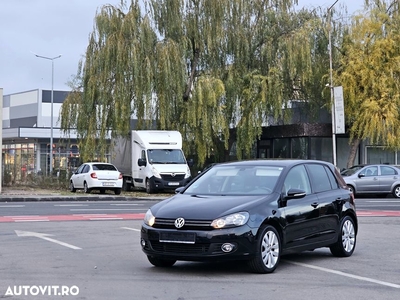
(254, 210)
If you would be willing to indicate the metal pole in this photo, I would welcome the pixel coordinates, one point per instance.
(331, 85)
(51, 108)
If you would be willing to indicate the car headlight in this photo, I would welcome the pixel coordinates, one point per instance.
(155, 172)
(237, 219)
(188, 173)
(149, 219)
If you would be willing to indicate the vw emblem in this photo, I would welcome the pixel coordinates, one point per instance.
(173, 174)
(179, 222)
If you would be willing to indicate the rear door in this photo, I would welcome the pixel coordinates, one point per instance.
(388, 176)
(330, 198)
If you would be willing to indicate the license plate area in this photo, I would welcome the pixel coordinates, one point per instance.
(173, 183)
(108, 183)
(178, 237)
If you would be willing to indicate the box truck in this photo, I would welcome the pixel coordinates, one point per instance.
(152, 160)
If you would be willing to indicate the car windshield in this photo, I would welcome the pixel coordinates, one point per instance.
(166, 156)
(236, 180)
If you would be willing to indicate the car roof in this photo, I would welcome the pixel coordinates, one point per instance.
(272, 162)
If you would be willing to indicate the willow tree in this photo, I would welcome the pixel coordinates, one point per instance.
(201, 67)
(370, 76)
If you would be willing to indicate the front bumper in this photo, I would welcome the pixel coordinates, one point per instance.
(168, 184)
(207, 244)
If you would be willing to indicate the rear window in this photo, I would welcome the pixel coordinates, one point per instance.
(321, 181)
(103, 167)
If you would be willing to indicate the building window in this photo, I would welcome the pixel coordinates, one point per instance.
(281, 148)
(321, 148)
(299, 148)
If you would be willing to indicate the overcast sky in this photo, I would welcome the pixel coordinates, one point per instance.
(53, 27)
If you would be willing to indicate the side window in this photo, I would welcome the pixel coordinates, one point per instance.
(319, 178)
(332, 178)
(80, 169)
(371, 171)
(297, 178)
(86, 169)
(388, 171)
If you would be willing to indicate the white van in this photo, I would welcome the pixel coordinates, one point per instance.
(155, 160)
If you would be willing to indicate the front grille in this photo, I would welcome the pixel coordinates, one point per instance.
(180, 248)
(189, 224)
(176, 177)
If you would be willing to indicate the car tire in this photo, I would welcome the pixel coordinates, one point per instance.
(268, 251)
(396, 191)
(86, 189)
(346, 242)
(160, 262)
(72, 188)
(351, 188)
(149, 189)
(126, 186)
(117, 191)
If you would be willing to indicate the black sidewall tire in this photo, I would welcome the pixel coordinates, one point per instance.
(160, 262)
(394, 192)
(257, 264)
(71, 187)
(149, 189)
(86, 188)
(337, 249)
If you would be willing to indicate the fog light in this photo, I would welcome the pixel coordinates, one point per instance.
(227, 247)
(143, 243)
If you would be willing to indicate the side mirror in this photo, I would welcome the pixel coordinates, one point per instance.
(179, 190)
(142, 162)
(361, 175)
(295, 194)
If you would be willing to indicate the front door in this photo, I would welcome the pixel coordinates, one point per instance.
(301, 215)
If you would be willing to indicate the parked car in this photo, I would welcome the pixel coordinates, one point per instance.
(351, 170)
(96, 176)
(375, 179)
(254, 210)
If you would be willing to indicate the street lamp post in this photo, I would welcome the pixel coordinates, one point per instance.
(51, 107)
(331, 85)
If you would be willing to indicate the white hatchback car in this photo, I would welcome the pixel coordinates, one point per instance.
(96, 176)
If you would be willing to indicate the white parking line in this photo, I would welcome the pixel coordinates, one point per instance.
(126, 204)
(380, 205)
(393, 285)
(384, 201)
(71, 205)
(88, 209)
(128, 228)
(15, 205)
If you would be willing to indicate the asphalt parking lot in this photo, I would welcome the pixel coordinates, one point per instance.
(103, 259)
